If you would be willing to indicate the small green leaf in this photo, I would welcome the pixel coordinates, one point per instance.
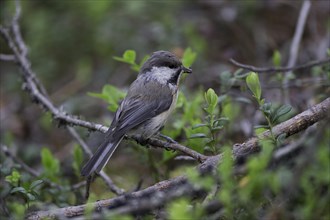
(179, 209)
(30, 196)
(111, 95)
(36, 183)
(243, 100)
(266, 108)
(199, 126)
(217, 128)
(77, 159)
(197, 135)
(260, 129)
(276, 58)
(252, 81)
(18, 189)
(14, 178)
(284, 109)
(239, 75)
(261, 126)
(128, 57)
(50, 164)
(281, 138)
(211, 99)
(189, 57)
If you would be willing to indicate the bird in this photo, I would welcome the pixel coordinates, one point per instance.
(150, 100)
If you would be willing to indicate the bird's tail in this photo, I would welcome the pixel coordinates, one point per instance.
(100, 157)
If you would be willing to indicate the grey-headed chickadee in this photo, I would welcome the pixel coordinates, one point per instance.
(149, 101)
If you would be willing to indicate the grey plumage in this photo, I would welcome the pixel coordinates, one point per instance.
(149, 101)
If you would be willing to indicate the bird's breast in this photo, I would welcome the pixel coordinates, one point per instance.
(156, 123)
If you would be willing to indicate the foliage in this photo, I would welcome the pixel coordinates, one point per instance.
(272, 114)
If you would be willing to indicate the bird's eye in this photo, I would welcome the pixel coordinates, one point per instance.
(172, 66)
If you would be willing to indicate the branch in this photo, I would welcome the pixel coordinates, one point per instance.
(7, 58)
(292, 126)
(279, 69)
(119, 204)
(165, 191)
(154, 142)
(295, 47)
(115, 189)
(19, 161)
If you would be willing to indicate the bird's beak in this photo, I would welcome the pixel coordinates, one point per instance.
(186, 70)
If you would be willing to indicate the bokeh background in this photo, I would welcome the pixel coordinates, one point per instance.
(72, 43)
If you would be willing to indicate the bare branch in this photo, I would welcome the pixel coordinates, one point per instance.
(154, 142)
(19, 161)
(16, 29)
(7, 57)
(298, 32)
(295, 46)
(279, 69)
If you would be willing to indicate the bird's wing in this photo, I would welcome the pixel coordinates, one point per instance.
(140, 107)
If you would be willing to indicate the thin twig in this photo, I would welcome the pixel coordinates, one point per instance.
(7, 57)
(295, 46)
(115, 189)
(279, 69)
(154, 142)
(80, 141)
(16, 30)
(24, 166)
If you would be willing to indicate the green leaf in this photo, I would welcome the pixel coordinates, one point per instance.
(189, 57)
(260, 129)
(281, 138)
(212, 100)
(30, 196)
(77, 159)
(111, 95)
(252, 81)
(276, 58)
(239, 75)
(128, 57)
(197, 135)
(50, 164)
(284, 109)
(266, 108)
(36, 183)
(18, 189)
(179, 209)
(199, 126)
(14, 178)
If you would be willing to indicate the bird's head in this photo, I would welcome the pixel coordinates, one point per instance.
(165, 67)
